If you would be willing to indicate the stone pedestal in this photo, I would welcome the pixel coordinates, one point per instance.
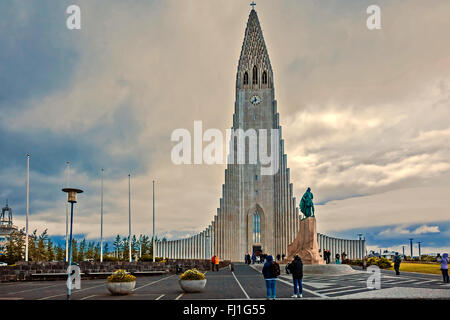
(305, 244)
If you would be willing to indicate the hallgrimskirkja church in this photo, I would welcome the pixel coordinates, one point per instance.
(257, 212)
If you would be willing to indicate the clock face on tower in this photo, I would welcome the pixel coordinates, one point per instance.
(255, 100)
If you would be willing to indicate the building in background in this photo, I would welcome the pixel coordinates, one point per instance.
(6, 227)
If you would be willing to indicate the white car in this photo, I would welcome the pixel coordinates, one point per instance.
(2, 264)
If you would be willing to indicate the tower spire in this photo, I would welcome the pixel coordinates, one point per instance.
(253, 4)
(254, 54)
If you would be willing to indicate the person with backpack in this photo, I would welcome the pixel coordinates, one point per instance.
(271, 271)
(296, 269)
(397, 261)
(444, 266)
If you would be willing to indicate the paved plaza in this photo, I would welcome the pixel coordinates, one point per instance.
(244, 283)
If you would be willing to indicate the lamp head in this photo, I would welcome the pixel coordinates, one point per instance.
(72, 194)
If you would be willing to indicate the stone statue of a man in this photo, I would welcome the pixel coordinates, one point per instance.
(306, 204)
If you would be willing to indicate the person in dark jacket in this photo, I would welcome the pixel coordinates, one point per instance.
(397, 261)
(253, 258)
(296, 269)
(269, 272)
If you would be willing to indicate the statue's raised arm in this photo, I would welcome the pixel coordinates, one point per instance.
(306, 204)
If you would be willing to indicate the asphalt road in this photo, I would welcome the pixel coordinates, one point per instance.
(244, 283)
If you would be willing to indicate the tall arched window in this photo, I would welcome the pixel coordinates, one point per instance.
(264, 78)
(245, 78)
(255, 75)
(256, 227)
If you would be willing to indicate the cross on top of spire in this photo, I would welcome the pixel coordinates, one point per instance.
(253, 4)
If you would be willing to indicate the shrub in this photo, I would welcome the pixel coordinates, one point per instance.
(149, 258)
(192, 274)
(110, 258)
(383, 263)
(355, 262)
(121, 276)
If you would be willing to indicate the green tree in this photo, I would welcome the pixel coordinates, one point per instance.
(145, 243)
(125, 249)
(82, 250)
(74, 250)
(51, 256)
(90, 251)
(60, 253)
(117, 246)
(41, 246)
(106, 249)
(32, 246)
(97, 252)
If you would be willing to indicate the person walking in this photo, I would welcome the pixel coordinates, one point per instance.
(253, 258)
(397, 260)
(296, 269)
(213, 262)
(271, 271)
(216, 262)
(444, 266)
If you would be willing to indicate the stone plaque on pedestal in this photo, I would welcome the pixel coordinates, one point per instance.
(305, 244)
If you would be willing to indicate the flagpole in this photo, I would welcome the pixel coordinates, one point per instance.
(153, 239)
(101, 221)
(129, 216)
(28, 206)
(67, 210)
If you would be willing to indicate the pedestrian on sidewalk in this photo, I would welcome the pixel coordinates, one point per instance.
(296, 269)
(213, 262)
(444, 266)
(271, 271)
(216, 262)
(397, 261)
(253, 258)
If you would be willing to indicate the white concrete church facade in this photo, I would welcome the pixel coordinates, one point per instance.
(257, 212)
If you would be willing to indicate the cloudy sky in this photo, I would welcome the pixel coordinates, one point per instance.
(365, 114)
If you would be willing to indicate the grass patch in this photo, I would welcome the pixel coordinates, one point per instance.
(419, 267)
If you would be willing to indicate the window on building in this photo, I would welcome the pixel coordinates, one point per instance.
(256, 178)
(256, 227)
(255, 75)
(264, 78)
(246, 78)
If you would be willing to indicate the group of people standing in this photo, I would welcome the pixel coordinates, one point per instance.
(327, 257)
(215, 263)
(271, 272)
(255, 258)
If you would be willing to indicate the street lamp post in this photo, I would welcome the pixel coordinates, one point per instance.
(71, 198)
